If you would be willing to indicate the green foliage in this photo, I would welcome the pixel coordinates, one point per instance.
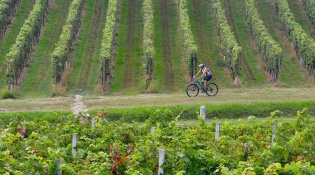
(147, 43)
(69, 31)
(187, 38)
(229, 45)
(33, 146)
(26, 40)
(7, 7)
(268, 47)
(310, 7)
(300, 40)
(6, 94)
(107, 41)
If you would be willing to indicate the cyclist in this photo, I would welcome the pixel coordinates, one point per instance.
(206, 73)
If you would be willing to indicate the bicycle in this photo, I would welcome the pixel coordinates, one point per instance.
(192, 89)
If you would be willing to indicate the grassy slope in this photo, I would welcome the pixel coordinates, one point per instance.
(128, 69)
(168, 74)
(40, 72)
(9, 39)
(252, 72)
(291, 73)
(205, 32)
(128, 62)
(89, 41)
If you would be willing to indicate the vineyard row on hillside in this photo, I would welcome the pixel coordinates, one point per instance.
(229, 45)
(107, 42)
(67, 38)
(268, 47)
(303, 43)
(26, 41)
(231, 49)
(7, 8)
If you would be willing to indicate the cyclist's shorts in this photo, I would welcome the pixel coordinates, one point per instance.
(207, 78)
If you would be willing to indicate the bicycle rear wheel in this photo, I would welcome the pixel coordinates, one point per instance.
(212, 89)
(192, 90)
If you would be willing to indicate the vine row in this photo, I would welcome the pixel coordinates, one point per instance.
(302, 43)
(69, 32)
(268, 47)
(229, 45)
(7, 8)
(26, 41)
(108, 36)
(310, 7)
(148, 38)
(187, 38)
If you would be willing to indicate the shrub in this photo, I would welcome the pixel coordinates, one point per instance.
(6, 94)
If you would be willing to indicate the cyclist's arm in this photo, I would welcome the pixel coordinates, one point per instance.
(196, 74)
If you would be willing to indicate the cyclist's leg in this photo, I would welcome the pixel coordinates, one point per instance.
(206, 79)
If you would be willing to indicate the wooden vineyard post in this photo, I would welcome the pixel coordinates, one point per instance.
(217, 131)
(104, 76)
(55, 71)
(161, 161)
(194, 61)
(203, 112)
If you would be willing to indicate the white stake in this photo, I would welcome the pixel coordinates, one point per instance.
(59, 162)
(217, 130)
(93, 122)
(274, 127)
(203, 112)
(74, 143)
(161, 161)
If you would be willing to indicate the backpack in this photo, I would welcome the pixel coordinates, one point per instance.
(208, 71)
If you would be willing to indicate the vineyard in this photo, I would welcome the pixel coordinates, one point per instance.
(54, 47)
(60, 144)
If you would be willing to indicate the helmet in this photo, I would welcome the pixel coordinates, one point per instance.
(201, 65)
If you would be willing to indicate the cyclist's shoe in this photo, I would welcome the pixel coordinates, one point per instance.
(203, 91)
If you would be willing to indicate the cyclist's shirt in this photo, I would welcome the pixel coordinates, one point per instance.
(208, 71)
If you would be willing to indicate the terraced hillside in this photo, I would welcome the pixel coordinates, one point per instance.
(98, 47)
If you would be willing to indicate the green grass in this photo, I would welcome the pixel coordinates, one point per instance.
(168, 74)
(128, 61)
(94, 80)
(86, 53)
(9, 39)
(189, 112)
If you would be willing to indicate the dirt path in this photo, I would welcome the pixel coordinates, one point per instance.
(225, 96)
(78, 106)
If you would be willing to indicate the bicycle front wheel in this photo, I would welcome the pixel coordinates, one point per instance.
(192, 90)
(212, 89)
